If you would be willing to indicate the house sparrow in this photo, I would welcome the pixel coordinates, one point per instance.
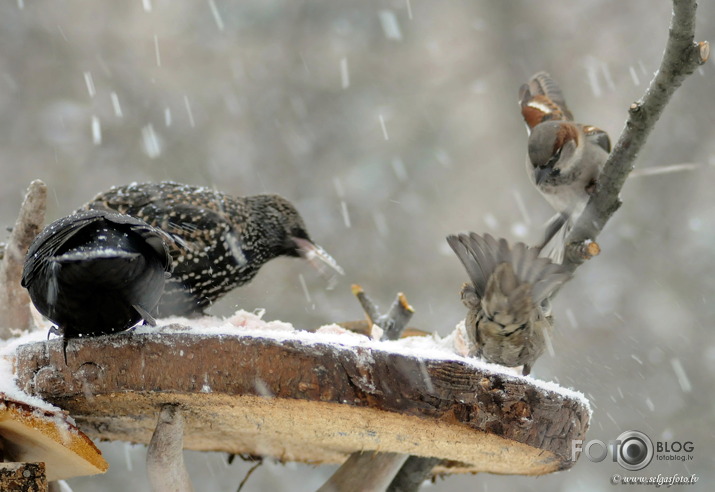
(507, 320)
(564, 158)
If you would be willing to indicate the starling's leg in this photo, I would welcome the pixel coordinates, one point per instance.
(59, 331)
(65, 341)
(148, 318)
(55, 330)
(526, 370)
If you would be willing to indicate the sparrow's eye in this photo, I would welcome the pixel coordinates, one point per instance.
(555, 172)
(554, 158)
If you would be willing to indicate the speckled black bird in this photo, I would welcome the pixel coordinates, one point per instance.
(220, 241)
(96, 272)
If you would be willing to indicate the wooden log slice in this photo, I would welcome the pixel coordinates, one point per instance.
(302, 400)
(31, 434)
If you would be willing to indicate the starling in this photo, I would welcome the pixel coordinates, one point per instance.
(507, 319)
(219, 241)
(95, 273)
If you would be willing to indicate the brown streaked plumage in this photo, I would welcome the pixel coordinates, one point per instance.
(508, 288)
(541, 100)
(564, 158)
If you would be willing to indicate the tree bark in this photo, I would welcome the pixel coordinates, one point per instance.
(304, 401)
(14, 300)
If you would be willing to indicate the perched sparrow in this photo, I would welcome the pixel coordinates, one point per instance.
(219, 241)
(506, 298)
(564, 158)
(95, 273)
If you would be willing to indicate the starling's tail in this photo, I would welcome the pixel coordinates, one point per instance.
(104, 266)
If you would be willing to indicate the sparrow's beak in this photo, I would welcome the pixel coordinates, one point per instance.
(312, 253)
(541, 173)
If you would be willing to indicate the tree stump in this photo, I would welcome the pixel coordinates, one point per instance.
(298, 399)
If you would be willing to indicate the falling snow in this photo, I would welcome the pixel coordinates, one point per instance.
(344, 74)
(150, 141)
(115, 105)
(390, 26)
(96, 131)
(89, 81)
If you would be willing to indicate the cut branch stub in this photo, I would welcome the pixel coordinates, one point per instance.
(304, 400)
(392, 323)
(14, 299)
(682, 56)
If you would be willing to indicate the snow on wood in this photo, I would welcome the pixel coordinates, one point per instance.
(30, 434)
(264, 388)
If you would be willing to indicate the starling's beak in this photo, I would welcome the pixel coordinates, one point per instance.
(312, 252)
(541, 173)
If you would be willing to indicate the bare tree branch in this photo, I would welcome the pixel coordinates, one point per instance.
(413, 474)
(365, 472)
(394, 321)
(164, 456)
(14, 300)
(681, 57)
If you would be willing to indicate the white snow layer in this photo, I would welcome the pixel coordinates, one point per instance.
(453, 347)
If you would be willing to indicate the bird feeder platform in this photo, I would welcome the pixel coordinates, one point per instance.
(31, 434)
(299, 396)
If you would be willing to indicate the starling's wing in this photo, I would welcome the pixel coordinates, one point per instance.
(597, 136)
(52, 238)
(155, 238)
(124, 199)
(541, 100)
(155, 204)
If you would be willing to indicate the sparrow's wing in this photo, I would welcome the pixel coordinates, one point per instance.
(481, 255)
(475, 271)
(597, 136)
(541, 100)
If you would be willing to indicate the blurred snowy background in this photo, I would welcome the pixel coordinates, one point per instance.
(391, 124)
